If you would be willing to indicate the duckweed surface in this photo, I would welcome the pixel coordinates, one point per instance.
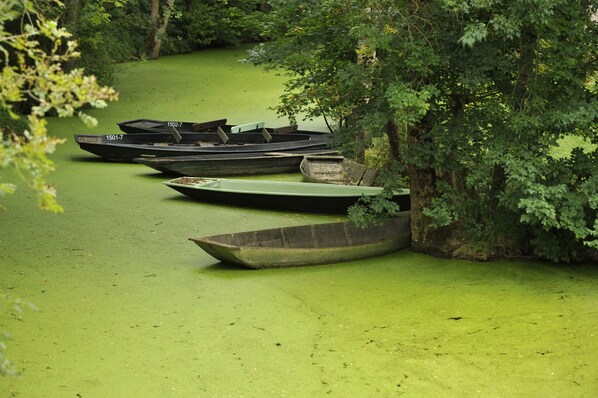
(128, 307)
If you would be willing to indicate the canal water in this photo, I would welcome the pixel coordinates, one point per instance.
(128, 307)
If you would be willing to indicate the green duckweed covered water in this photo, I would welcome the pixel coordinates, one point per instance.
(128, 307)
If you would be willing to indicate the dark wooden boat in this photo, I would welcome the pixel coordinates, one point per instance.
(166, 126)
(308, 244)
(231, 164)
(162, 126)
(126, 147)
(281, 195)
(336, 170)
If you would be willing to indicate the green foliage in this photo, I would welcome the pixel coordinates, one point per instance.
(373, 209)
(31, 73)
(379, 157)
(214, 23)
(486, 89)
(558, 200)
(316, 49)
(108, 32)
(10, 123)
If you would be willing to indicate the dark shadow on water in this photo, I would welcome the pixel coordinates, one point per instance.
(233, 271)
(156, 175)
(576, 270)
(223, 206)
(220, 267)
(183, 199)
(89, 159)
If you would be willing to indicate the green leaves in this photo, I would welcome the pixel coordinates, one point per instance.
(556, 198)
(36, 75)
(409, 105)
(373, 209)
(474, 33)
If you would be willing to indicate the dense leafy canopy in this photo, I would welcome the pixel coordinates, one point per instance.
(472, 96)
(111, 31)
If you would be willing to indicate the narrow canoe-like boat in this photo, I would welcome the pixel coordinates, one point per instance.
(281, 195)
(126, 147)
(231, 164)
(336, 170)
(308, 244)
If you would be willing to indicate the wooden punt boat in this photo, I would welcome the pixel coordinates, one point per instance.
(336, 170)
(308, 244)
(281, 195)
(162, 126)
(230, 164)
(165, 126)
(126, 147)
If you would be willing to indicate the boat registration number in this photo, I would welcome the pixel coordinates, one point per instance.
(114, 137)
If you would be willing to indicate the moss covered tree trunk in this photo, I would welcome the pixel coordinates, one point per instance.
(159, 23)
(422, 179)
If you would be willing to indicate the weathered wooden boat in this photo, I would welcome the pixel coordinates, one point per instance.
(231, 164)
(336, 170)
(281, 195)
(161, 126)
(166, 126)
(308, 244)
(126, 147)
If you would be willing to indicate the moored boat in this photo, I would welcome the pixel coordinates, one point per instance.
(126, 147)
(163, 126)
(308, 244)
(231, 164)
(336, 170)
(281, 195)
(166, 126)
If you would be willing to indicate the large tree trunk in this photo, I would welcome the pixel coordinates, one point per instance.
(159, 23)
(394, 140)
(440, 242)
(70, 20)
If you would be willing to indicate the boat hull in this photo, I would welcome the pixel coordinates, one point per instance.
(280, 195)
(160, 126)
(232, 164)
(126, 147)
(307, 245)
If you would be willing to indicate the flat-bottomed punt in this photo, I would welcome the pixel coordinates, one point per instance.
(280, 195)
(308, 244)
(126, 147)
(336, 170)
(136, 126)
(164, 126)
(230, 164)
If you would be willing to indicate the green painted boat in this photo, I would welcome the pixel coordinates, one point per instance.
(308, 244)
(281, 195)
